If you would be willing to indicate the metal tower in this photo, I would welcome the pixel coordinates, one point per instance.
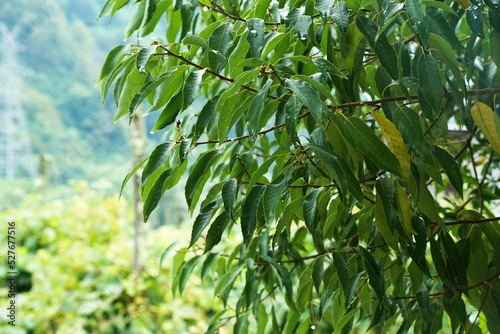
(15, 144)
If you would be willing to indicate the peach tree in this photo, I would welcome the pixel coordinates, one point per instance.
(348, 149)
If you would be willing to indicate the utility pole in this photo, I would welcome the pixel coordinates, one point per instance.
(15, 144)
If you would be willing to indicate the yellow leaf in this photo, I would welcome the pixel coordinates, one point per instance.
(464, 3)
(395, 141)
(404, 209)
(484, 118)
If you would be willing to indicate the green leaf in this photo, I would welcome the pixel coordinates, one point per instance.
(171, 85)
(309, 209)
(166, 252)
(324, 7)
(133, 84)
(474, 15)
(207, 264)
(340, 16)
(388, 195)
(328, 67)
(137, 19)
(143, 57)
(155, 193)
(309, 96)
(114, 55)
(375, 273)
(273, 193)
(429, 82)
(132, 172)
(255, 109)
(196, 175)
(385, 213)
(249, 212)
(202, 221)
(450, 166)
(187, 268)
(415, 11)
(205, 116)
(387, 56)
(215, 231)
(343, 273)
(316, 85)
(221, 38)
(196, 40)
(228, 196)
(292, 111)
(157, 159)
(340, 171)
(181, 101)
(355, 131)
(408, 124)
(484, 118)
(170, 112)
(302, 27)
(317, 273)
(368, 28)
(255, 37)
(192, 87)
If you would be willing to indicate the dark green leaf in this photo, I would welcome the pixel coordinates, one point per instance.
(202, 221)
(292, 111)
(340, 16)
(157, 159)
(362, 137)
(215, 231)
(196, 173)
(450, 166)
(375, 274)
(228, 196)
(429, 81)
(249, 212)
(415, 11)
(309, 209)
(309, 96)
(256, 108)
(256, 36)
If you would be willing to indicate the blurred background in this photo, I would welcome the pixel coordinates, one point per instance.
(82, 265)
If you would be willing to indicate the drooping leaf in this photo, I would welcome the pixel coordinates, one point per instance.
(307, 95)
(395, 141)
(358, 133)
(256, 36)
(202, 221)
(228, 196)
(450, 166)
(484, 118)
(429, 82)
(249, 212)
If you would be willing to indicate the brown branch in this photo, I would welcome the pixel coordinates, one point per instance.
(244, 168)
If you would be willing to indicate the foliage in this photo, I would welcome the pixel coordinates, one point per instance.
(74, 264)
(354, 143)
